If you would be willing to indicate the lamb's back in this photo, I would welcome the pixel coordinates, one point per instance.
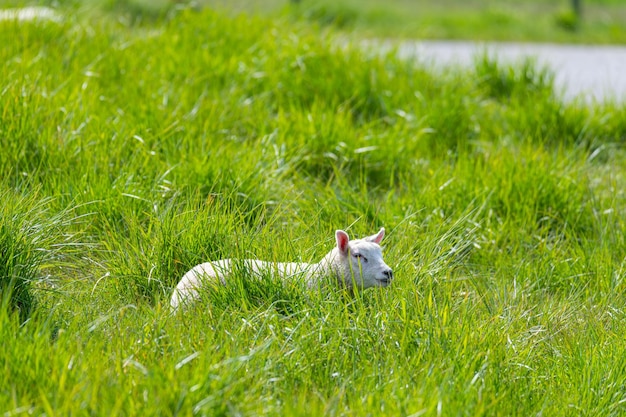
(218, 271)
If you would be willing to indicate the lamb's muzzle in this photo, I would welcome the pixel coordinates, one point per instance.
(351, 263)
(388, 277)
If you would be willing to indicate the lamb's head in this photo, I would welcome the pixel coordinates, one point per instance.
(359, 263)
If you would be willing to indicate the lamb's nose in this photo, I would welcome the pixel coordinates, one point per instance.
(388, 273)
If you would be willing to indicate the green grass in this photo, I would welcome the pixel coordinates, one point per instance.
(481, 20)
(136, 147)
(601, 22)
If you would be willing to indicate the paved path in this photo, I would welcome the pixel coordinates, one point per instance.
(594, 73)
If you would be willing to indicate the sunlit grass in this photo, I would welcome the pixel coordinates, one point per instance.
(482, 20)
(133, 149)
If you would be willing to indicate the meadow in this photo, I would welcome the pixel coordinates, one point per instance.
(600, 21)
(133, 149)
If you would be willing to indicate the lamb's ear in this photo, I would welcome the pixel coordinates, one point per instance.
(378, 237)
(342, 241)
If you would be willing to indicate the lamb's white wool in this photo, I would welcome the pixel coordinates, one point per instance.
(352, 263)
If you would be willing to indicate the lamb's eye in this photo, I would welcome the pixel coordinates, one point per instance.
(361, 257)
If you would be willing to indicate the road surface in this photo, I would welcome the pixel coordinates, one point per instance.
(592, 73)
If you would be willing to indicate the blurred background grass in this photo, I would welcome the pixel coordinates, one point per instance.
(598, 21)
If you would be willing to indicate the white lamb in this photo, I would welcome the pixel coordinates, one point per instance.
(352, 263)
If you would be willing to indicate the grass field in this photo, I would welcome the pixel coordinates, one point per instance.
(133, 149)
(483, 20)
(602, 21)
